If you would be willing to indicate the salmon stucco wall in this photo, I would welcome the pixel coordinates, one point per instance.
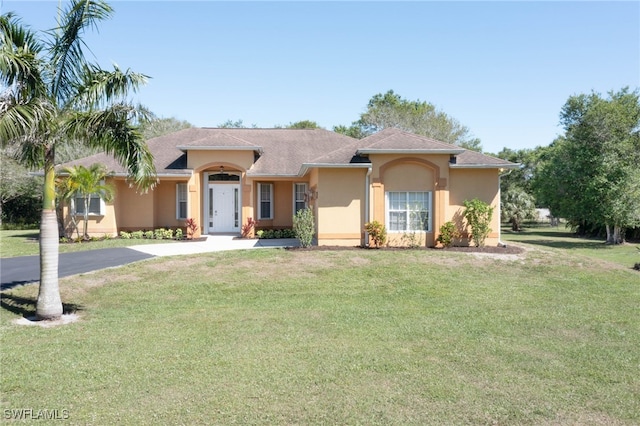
(340, 206)
(135, 210)
(467, 184)
(99, 225)
(410, 173)
(283, 207)
(198, 160)
(165, 205)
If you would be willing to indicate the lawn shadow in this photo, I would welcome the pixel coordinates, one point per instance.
(35, 236)
(567, 245)
(555, 238)
(26, 306)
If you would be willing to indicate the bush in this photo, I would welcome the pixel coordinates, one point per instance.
(148, 234)
(125, 235)
(448, 233)
(377, 232)
(267, 234)
(304, 226)
(247, 228)
(478, 215)
(410, 239)
(192, 227)
(179, 234)
(137, 235)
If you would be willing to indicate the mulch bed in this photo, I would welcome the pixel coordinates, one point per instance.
(509, 249)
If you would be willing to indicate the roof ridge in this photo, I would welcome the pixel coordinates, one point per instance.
(239, 139)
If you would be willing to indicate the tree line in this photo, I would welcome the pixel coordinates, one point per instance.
(590, 175)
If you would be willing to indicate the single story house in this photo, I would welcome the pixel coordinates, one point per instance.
(223, 177)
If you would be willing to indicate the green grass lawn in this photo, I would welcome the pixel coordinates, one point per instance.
(335, 337)
(560, 237)
(25, 243)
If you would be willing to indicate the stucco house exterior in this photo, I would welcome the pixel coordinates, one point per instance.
(222, 177)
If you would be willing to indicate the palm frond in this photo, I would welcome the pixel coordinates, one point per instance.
(66, 49)
(111, 131)
(31, 153)
(19, 121)
(99, 87)
(20, 65)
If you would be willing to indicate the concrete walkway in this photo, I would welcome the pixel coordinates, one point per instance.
(213, 243)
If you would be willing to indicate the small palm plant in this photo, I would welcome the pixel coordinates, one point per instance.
(82, 184)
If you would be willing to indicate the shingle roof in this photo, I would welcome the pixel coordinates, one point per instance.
(394, 140)
(287, 152)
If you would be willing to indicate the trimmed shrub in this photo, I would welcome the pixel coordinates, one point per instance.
(377, 232)
(304, 226)
(478, 216)
(447, 234)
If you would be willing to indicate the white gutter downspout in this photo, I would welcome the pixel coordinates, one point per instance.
(500, 243)
(367, 207)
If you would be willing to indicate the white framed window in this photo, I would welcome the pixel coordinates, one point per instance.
(265, 201)
(299, 197)
(182, 197)
(96, 205)
(408, 211)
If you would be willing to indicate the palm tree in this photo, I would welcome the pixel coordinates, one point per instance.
(517, 206)
(51, 95)
(83, 183)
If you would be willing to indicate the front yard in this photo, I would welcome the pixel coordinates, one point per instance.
(331, 337)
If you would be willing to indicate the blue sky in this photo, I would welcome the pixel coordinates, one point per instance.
(503, 69)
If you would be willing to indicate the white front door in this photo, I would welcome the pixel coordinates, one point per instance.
(224, 208)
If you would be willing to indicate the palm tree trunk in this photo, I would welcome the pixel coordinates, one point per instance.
(85, 225)
(49, 304)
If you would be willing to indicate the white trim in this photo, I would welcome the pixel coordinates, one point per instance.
(410, 151)
(103, 207)
(219, 148)
(259, 196)
(206, 184)
(306, 166)
(295, 193)
(484, 166)
(429, 212)
(178, 201)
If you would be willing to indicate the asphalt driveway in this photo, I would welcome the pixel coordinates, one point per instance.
(16, 271)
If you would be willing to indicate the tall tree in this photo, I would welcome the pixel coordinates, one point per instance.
(304, 124)
(516, 205)
(238, 124)
(52, 94)
(419, 117)
(591, 174)
(161, 126)
(524, 175)
(15, 183)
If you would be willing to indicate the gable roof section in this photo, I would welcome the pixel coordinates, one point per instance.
(395, 141)
(215, 140)
(285, 150)
(169, 160)
(477, 160)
